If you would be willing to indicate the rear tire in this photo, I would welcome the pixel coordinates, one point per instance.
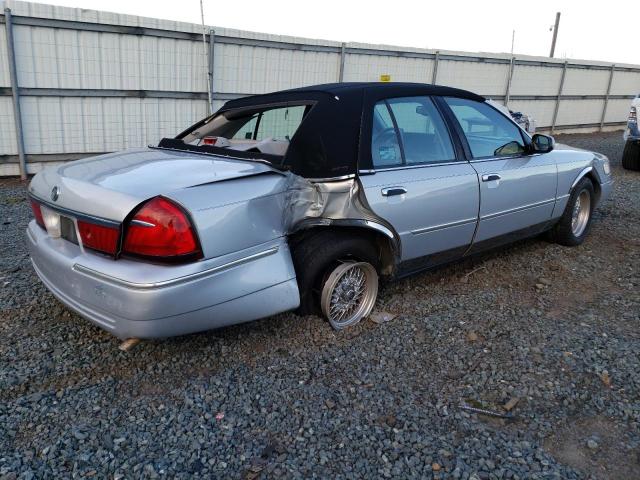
(575, 223)
(334, 268)
(631, 155)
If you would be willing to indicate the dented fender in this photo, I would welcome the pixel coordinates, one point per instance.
(339, 203)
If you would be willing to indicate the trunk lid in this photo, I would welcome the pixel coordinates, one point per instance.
(110, 186)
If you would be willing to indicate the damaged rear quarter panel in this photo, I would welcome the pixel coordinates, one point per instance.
(236, 214)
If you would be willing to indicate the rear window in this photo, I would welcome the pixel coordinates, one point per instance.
(277, 123)
(266, 130)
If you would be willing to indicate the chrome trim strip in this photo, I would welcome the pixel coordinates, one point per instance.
(562, 197)
(142, 223)
(274, 168)
(518, 209)
(380, 228)
(346, 222)
(579, 177)
(332, 179)
(410, 167)
(444, 225)
(506, 157)
(174, 281)
(74, 214)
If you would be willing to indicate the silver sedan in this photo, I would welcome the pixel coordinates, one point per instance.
(301, 199)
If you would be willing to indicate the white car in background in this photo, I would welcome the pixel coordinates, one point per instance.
(631, 153)
(526, 122)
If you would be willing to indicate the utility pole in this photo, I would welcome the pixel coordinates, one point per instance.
(555, 35)
(513, 39)
(206, 60)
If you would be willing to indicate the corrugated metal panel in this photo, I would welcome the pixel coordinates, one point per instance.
(8, 144)
(5, 81)
(76, 125)
(580, 81)
(483, 78)
(535, 80)
(617, 110)
(369, 68)
(52, 58)
(249, 69)
(574, 112)
(625, 83)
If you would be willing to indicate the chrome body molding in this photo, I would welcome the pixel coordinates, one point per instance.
(142, 223)
(174, 281)
(332, 179)
(519, 209)
(445, 225)
(73, 213)
(410, 167)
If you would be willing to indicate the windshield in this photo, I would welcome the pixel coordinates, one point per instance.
(264, 130)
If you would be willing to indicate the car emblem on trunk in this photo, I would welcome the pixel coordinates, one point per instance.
(55, 193)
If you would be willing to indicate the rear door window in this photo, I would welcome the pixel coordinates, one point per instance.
(409, 131)
(385, 147)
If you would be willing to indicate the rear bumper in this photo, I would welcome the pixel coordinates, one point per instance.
(135, 299)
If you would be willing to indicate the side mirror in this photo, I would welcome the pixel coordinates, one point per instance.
(542, 143)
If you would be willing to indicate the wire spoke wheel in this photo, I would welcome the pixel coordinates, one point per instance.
(581, 213)
(349, 293)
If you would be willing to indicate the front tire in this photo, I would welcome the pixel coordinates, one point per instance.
(631, 155)
(337, 276)
(575, 223)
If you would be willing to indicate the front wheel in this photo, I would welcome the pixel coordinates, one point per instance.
(575, 222)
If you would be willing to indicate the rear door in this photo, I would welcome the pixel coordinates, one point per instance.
(517, 190)
(418, 182)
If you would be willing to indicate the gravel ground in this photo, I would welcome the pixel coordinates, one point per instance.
(549, 331)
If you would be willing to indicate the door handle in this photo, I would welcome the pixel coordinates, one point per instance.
(490, 177)
(390, 191)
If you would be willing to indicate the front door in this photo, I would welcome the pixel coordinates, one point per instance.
(418, 185)
(517, 190)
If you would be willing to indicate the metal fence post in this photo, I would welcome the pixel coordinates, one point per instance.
(15, 91)
(434, 76)
(507, 94)
(557, 107)
(606, 96)
(343, 53)
(212, 40)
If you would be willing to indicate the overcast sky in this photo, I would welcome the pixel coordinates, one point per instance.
(591, 30)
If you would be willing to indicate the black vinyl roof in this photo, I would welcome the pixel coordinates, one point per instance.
(331, 138)
(353, 88)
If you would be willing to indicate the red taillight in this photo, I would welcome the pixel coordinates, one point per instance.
(37, 213)
(99, 237)
(209, 140)
(161, 229)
